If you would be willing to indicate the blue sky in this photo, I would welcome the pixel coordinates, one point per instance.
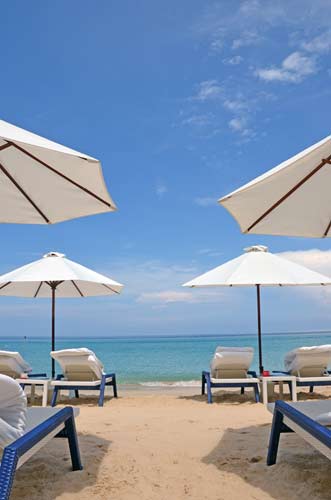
(182, 102)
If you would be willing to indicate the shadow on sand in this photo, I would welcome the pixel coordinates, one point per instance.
(48, 475)
(234, 397)
(301, 472)
(83, 400)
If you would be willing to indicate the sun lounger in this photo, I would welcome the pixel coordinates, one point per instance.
(309, 365)
(13, 365)
(25, 430)
(82, 370)
(309, 419)
(230, 368)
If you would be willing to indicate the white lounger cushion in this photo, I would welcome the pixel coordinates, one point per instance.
(308, 357)
(13, 362)
(12, 410)
(231, 359)
(79, 357)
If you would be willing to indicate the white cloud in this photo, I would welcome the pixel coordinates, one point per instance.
(236, 105)
(231, 99)
(166, 296)
(233, 61)
(319, 261)
(249, 22)
(206, 201)
(315, 259)
(239, 124)
(246, 39)
(198, 120)
(175, 296)
(319, 44)
(294, 68)
(161, 189)
(209, 252)
(208, 90)
(148, 275)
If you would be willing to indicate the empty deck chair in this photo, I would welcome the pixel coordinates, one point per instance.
(230, 368)
(309, 365)
(309, 419)
(13, 365)
(23, 431)
(82, 370)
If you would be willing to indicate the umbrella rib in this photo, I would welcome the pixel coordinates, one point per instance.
(6, 284)
(38, 289)
(77, 288)
(327, 230)
(110, 288)
(61, 175)
(21, 190)
(5, 146)
(54, 284)
(289, 193)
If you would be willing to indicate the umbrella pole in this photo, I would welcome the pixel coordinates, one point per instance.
(53, 328)
(259, 327)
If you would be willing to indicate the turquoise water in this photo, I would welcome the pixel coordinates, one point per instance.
(163, 359)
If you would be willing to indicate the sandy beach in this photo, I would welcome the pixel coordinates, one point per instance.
(150, 445)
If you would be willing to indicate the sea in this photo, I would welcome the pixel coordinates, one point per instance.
(163, 361)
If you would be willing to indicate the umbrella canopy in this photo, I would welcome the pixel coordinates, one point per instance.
(292, 199)
(42, 182)
(257, 267)
(55, 276)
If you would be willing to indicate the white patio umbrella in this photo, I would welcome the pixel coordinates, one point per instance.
(42, 182)
(55, 276)
(257, 267)
(292, 199)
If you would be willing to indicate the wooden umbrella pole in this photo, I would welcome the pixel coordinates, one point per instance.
(259, 327)
(53, 328)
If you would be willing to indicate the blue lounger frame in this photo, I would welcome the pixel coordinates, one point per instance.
(34, 375)
(306, 383)
(282, 409)
(99, 387)
(13, 452)
(206, 381)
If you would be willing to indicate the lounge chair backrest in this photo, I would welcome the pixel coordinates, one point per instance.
(12, 364)
(79, 364)
(308, 361)
(12, 410)
(231, 362)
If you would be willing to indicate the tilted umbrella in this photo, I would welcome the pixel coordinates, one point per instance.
(55, 276)
(257, 267)
(292, 199)
(42, 182)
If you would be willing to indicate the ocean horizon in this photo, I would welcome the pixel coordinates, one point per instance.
(163, 360)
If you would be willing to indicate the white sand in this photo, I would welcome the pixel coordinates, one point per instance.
(172, 445)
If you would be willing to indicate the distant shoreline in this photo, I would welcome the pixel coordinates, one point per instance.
(170, 336)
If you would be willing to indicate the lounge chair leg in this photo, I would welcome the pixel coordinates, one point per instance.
(54, 396)
(242, 390)
(76, 393)
(71, 433)
(102, 390)
(203, 384)
(209, 394)
(7, 472)
(277, 423)
(311, 388)
(256, 394)
(290, 389)
(114, 386)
